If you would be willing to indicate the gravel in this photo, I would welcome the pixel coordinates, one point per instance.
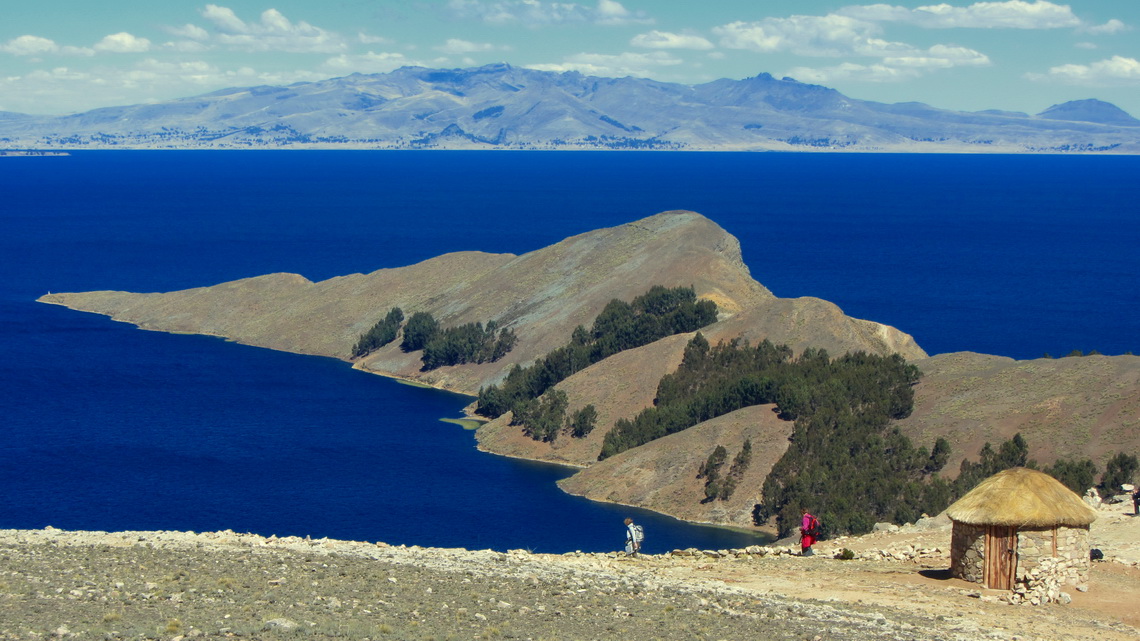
(180, 585)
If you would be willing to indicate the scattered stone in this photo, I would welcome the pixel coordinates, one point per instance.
(279, 624)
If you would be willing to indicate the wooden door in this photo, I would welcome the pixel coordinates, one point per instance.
(1001, 557)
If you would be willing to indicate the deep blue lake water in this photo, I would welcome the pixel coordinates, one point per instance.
(108, 427)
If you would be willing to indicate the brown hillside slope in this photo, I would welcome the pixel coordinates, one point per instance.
(662, 475)
(1073, 408)
(542, 296)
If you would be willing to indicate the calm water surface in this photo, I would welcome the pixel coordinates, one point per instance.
(107, 427)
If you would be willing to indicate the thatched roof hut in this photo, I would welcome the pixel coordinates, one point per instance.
(1016, 525)
(1021, 497)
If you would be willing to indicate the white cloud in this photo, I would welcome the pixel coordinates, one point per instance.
(541, 12)
(189, 31)
(274, 32)
(123, 42)
(1111, 27)
(29, 45)
(1114, 71)
(939, 57)
(455, 46)
(846, 36)
(367, 39)
(367, 63)
(830, 35)
(1012, 14)
(835, 36)
(666, 40)
(852, 71)
(612, 66)
(225, 19)
(610, 12)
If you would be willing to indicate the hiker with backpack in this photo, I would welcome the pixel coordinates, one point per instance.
(634, 535)
(809, 532)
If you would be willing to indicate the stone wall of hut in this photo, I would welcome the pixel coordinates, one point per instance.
(1069, 565)
(968, 552)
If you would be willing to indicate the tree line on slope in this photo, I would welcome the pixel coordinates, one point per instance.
(721, 487)
(938, 493)
(620, 326)
(380, 334)
(469, 343)
(713, 381)
(1077, 475)
(842, 448)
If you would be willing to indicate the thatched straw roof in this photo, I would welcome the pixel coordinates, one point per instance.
(1024, 498)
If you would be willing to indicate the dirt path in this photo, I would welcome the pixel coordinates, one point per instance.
(1108, 610)
(182, 585)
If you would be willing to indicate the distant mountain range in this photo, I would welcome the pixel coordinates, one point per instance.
(499, 106)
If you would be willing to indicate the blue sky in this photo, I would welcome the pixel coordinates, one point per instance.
(65, 56)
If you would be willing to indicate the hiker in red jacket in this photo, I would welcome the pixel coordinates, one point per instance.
(809, 531)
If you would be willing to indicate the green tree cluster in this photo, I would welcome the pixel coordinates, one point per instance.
(1077, 475)
(1012, 453)
(718, 486)
(713, 381)
(542, 417)
(420, 329)
(658, 313)
(382, 333)
(853, 470)
(583, 421)
(1119, 470)
(469, 343)
(710, 471)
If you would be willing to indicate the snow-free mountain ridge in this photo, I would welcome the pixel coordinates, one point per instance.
(504, 107)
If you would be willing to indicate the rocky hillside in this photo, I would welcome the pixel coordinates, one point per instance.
(214, 585)
(1071, 407)
(1074, 408)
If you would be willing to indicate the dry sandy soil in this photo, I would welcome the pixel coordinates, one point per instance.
(179, 585)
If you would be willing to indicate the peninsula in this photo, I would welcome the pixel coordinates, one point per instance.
(1065, 408)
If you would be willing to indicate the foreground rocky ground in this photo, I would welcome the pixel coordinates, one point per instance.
(175, 585)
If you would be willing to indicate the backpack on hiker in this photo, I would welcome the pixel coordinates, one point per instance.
(638, 534)
(815, 527)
